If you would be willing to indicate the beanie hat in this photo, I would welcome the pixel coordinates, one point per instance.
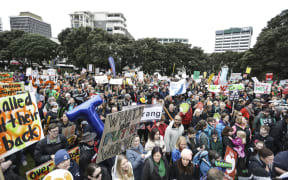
(186, 153)
(60, 156)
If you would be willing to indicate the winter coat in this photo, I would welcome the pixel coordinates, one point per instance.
(192, 144)
(280, 161)
(256, 166)
(176, 154)
(279, 132)
(261, 120)
(203, 139)
(175, 172)
(151, 144)
(209, 130)
(268, 140)
(74, 170)
(86, 155)
(134, 157)
(146, 175)
(162, 127)
(172, 135)
(246, 129)
(187, 117)
(220, 126)
(226, 142)
(217, 146)
(202, 160)
(44, 148)
(195, 120)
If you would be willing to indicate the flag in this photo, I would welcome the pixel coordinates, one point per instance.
(173, 68)
(112, 65)
(223, 76)
(216, 81)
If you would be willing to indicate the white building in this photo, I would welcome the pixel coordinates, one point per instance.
(172, 40)
(233, 39)
(112, 22)
(1, 26)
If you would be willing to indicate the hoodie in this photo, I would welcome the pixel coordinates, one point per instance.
(171, 136)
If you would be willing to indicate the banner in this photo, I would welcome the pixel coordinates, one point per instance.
(20, 124)
(248, 70)
(150, 112)
(52, 72)
(214, 88)
(112, 65)
(269, 76)
(223, 76)
(262, 88)
(116, 81)
(255, 79)
(235, 77)
(101, 79)
(10, 89)
(196, 75)
(90, 68)
(28, 71)
(42, 170)
(236, 87)
(6, 77)
(120, 129)
(233, 95)
(230, 157)
(177, 88)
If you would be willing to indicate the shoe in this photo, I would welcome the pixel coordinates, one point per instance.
(24, 163)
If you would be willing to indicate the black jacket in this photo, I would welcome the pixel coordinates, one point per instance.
(268, 140)
(226, 142)
(175, 172)
(74, 170)
(44, 148)
(86, 155)
(257, 167)
(155, 174)
(279, 133)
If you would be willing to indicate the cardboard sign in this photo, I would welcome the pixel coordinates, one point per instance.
(230, 157)
(101, 79)
(116, 81)
(69, 131)
(248, 70)
(262, 88)
(235, 77)
(255, 79)
(233, 95)
(20, 124)
(6, 77)
(196, 75)
(214, 88)
(42, 170)
(177, 88)
(120, 129)
(10, 89)
(236, 87)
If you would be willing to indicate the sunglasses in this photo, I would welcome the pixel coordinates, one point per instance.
(97, 176)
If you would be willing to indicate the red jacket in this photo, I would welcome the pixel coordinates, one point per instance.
(162, 127)
(186, 118)
(245, 113)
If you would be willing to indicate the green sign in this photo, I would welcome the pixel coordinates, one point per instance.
(236, 87)
(196, 75)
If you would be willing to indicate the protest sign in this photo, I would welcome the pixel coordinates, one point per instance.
(177, 88)
(255, 79)
(236, 87)
(230, 157)
(214, 88)
(248, 70)
(69, 131)
(210, 78)
(28, 71)
(42, 170)
(269, 76)
(101, 79)
(223, 75)
(20, 124)
(10, 89)
(204, 75)
(51, 72)
(196, 75)
(150, 111)
(116, 81)
(262, 88)
(59, 174)
(140, 76)
(90, 67)
(235, 77)
(119, 131)
(233, 95)
(283, 82)
(129, 81)
(6, 77)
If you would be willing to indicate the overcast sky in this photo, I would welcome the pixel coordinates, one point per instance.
(196, 20)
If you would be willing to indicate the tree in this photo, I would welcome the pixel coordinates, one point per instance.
(33, 48)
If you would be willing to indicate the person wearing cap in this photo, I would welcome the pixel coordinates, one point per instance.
(62, 160)
(263, 118)
(87, 151)
(184, 169)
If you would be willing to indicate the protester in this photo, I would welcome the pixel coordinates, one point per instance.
(227, 138)
(215, 174)
(95, 172)
(180, 145)
(215, 142)
(155, 140)
(156, 167)
(201, 138)
(122, 169)
(223, 122)
(161, 126)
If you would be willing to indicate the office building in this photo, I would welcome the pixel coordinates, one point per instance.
(172, 40)
(112, 22)
(233, 39)
(1, 26)
(30, 23)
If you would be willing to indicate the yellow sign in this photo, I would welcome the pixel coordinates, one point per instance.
(248, 70)
(210, 78)
(10, 89)
(204, 75)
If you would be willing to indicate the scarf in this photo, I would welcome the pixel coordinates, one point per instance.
(161, 168)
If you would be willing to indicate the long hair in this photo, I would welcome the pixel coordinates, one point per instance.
(242, 135)
(118, 168)
(91, 169)
(226, 130)
(152, 134)
(201, 125)
(179, 140)
(189, 169)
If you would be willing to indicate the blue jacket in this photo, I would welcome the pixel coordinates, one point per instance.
(176, 154)
(220, 126)
(209, 130)
(134, 156)
(201, 159)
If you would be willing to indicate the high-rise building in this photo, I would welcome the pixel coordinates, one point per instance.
(172, 40)
(233, 39)
(30, 23)
(1, 28)
(112, 22)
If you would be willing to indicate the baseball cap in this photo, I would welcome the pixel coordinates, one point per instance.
(60, 156)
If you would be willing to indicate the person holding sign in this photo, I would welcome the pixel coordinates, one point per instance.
(47, 147)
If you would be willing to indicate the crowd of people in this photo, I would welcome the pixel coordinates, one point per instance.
(181, 145)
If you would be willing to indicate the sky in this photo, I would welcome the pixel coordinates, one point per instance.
(196, 20)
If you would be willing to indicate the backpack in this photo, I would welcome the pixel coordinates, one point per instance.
(198, 135)
(199, 158)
